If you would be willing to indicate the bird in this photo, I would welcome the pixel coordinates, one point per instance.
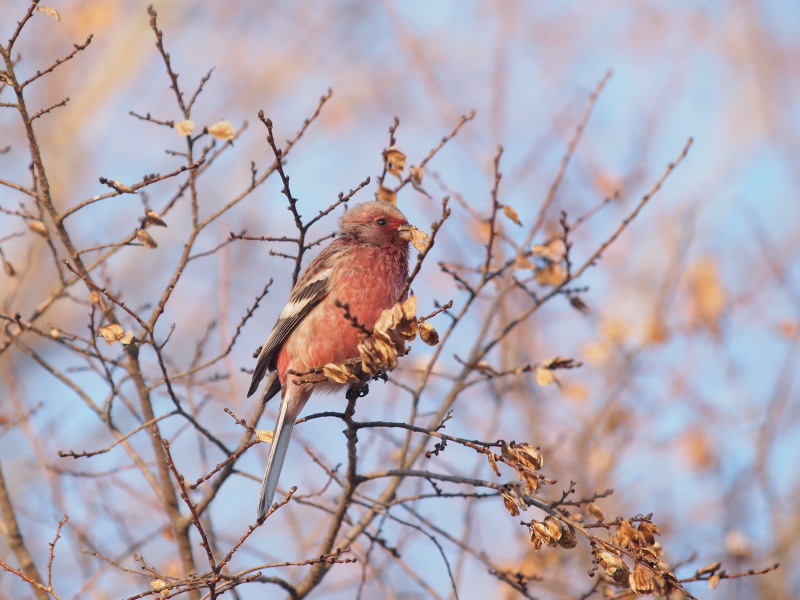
(365, 267)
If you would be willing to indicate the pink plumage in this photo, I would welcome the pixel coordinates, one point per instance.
(365, 267)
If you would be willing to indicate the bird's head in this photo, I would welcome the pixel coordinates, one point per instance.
(378, 223)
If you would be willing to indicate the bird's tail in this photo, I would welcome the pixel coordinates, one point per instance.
(277, 454)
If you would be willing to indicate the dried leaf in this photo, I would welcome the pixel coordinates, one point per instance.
(614, 567)
(339, 373)
(55, 333)
(523, 455)
(8, 268)
(648, 531)
(523, 263)
(578, 304)
(158, 584)
(712, 568)
(394, 327)
(536, 537)
(111, 332)
(416, 174)
(552, 274)
(127, 338)
(386, 194)
(511, 214)
(553, 529)
(626, 535)
(49, 10)
(552, 251)
(544, 376)
(513, 498)
(151, 217)
(713, 581)
(121, 187)
(95, 298)
(511, 507)
(185, 127)
(569, 538)
(419, 239)
(428, 334)
(493, 463)
(377, 355)
(265, 435)
(146, 239)
(595, 511)
(37, 226)
(395, 160)
(222, 130)
(641, 581)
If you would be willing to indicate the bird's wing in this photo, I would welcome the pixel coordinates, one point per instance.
(310, 290)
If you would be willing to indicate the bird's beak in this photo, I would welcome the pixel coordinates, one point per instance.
(406, 232)
(418, 238)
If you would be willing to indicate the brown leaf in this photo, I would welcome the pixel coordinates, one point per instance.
(523, 454)
(578, 304)
(222, 130)
(416, 174)
(626, 535)
(146, 239)
(614, 567)
(513, 498)
(419, 239)
(38, 227)
(511, 214)
(55, 333)
(493, 463)
(151, 217)
(712, 568)
(394, 327)
(553, 529)
(523, 263)
(544, 376)
(339, 373)
(96, 298)
(428, 334)
(553, 274)
(569, 538)
(510, 505)
(394, 160)
(641, 581)
(386, 194)
(185, 127)
(8, 268)
(713, 581)
(377, 355)
(595, 510)
(649, 531)
(49, 10)
(111, 332)
(552, 251)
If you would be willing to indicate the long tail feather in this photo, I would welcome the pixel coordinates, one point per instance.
(277, 454)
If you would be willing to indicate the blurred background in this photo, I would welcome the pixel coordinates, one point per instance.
(687, 403)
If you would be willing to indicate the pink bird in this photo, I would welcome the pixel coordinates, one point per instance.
(366, 267)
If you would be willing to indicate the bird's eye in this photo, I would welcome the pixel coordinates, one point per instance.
(381, 222)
